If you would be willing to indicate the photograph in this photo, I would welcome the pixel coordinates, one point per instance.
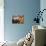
(17, 19)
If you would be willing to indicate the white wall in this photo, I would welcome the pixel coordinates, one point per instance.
(1, 20)
(43, 6)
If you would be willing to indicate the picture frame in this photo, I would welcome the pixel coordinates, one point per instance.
(18, 19)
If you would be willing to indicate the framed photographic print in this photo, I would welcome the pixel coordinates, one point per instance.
(17, 19)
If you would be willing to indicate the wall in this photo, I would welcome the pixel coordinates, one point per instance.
(1, 20)
(13, 32)
(43, 6)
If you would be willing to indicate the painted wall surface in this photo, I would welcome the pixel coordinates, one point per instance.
(13, 32)
(43, 6)
(1, 20)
